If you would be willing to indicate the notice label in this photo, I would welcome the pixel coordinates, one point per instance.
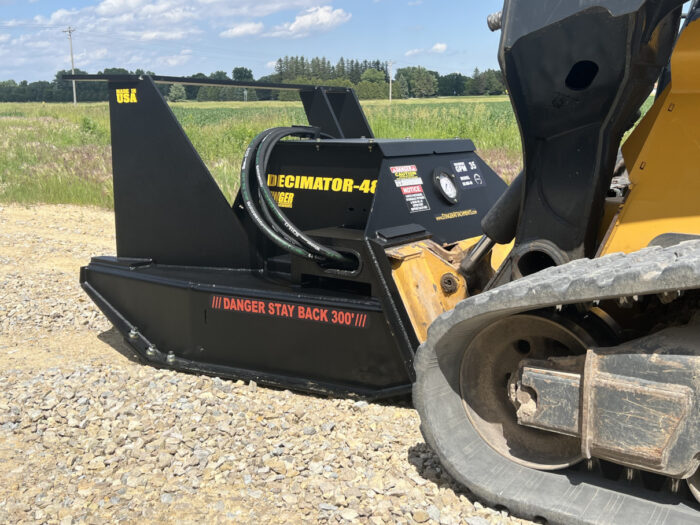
(411, 190)
(415, 198)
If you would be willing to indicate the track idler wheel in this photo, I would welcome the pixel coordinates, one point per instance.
(487, 365)
(464, 371)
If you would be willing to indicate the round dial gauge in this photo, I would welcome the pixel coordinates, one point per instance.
(446, 186)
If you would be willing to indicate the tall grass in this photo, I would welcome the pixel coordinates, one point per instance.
(58, 153)
(55, 154)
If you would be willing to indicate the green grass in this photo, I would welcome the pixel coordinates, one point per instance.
(58, 153)
(55, 154)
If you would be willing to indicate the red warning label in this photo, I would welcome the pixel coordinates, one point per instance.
(319, 314)
(404, 169)
(411, 190)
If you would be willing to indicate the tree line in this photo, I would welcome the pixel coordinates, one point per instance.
(59, 90)
(370, 79)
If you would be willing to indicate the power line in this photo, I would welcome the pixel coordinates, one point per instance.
(70, 32)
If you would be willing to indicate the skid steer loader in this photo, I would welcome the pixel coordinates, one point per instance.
(549, 330)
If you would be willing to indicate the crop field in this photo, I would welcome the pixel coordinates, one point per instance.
(60, 154)
(57, 153)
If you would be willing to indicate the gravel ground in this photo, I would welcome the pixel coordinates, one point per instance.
(88, 435)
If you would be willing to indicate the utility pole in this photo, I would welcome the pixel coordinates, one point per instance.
(70, 31)
(391, 74)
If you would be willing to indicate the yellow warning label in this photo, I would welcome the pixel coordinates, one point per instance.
(126, 96)
(405, 172)
(455, 215)
(307, 182)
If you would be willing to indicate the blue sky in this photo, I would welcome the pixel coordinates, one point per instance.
(179, 37)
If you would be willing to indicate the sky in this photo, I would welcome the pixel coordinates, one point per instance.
(183, 37)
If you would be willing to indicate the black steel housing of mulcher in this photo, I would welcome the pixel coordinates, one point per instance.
(196, 285)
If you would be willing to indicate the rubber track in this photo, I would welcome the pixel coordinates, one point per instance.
(568, 496)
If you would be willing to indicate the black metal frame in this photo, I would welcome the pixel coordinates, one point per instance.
(193, 81)
(335, 110)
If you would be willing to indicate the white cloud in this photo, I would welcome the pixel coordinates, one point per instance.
(177, 60)
(118, 7)
(87, 58)
(314, 20)
(250, 8)
(149, 34)
(60, 17)
(98, 53)
(271, 64)
(437, 48)
(164, 35)
(39, 44)
(249, 28)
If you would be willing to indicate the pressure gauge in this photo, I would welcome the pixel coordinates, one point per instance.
(446, 186)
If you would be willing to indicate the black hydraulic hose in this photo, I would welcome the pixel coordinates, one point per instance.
(249, 204)
(290, 240)
(271, 220)
(266, 199)
(262, 158)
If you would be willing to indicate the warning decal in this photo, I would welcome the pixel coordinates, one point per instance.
(318, 314)
(404, 172)
(411, 190)
(408, 182)
(411, 186)
(415, 198)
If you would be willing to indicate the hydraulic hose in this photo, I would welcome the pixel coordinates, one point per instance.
(270, 219)
(252, 210)
(262, 158)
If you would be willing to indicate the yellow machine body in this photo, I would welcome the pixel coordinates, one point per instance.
(664, 182)
(418, 269)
